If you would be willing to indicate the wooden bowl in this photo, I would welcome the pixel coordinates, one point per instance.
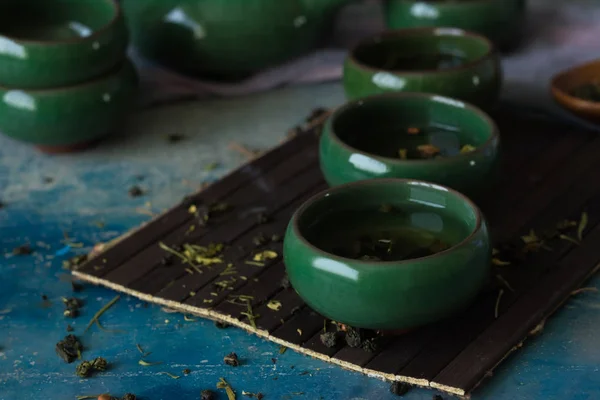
(563, 83)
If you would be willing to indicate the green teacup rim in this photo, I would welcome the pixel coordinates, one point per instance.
(370, 264)
(423, 31)
(494, 134)
(117, 14)
(107, 75)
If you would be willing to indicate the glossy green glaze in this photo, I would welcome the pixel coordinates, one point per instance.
(499, 20)
(394, 294)
(227, 38)
(478, 80)
(45, 44)
(384, 119)
(68, 116)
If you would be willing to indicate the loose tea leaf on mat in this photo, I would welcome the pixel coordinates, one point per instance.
(69, 349)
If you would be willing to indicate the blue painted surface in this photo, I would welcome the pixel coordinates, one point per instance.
(563, 363)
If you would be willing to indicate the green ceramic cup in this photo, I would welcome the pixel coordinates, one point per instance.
(387, 295)
(53, 43)
(446, 61)
(366, 138)
(499, 20)
(68, 118)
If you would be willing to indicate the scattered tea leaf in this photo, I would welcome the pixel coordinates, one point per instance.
(72, 306)
(229, 270)
(265, 255)
(221, 325)
(258, 396)
(170, 375)
(148, 364)
(231, 359)
(222, 384)
(428, 150)
(583, 221)
(74, 262)
(175, 137)
(207, 395)
(186, 371)
(584, 290)
(69, 349)
(250, 315)
(353, 337)
(135, 191)
(102, 311)
(497, 307)
(399, 388)
(569, 239)
(129, 396)
(299, 331)
(504, 282)
(255, 263)
(499, 263)
(23, 250)
(467, 148)
(274, 305)
(211, 167)
(142, 352)
(188, 319)
(282, 349)
(403, 154)
(329, 339)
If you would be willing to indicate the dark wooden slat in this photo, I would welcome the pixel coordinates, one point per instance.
(543, 195)
(354, 355)
(301, 327)
(519, 184)
(139, 266)
(291, 304)
(239, 251)
(428, 363)
(267, 286)
(178, 215)
(488, 349)
(402, 351)
(249, 271)
(241, 199)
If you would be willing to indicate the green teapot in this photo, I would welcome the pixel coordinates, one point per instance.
(227, 39)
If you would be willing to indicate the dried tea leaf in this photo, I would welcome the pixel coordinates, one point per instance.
(69, 349)
(467, 148)
(207, 395)
(499, 263)
(403, 154)
(497, 307)
(265, 255)
(274, 305)
(282, 349)
(222, 384)
(583, 221)
(329, 339)
(170, 375)
(569, 239)
(428, 150)
(148, 364)
(399, 388)
(231, 359)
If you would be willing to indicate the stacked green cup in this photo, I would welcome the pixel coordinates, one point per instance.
(65, 80)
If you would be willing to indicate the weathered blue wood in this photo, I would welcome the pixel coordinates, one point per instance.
(563, 363)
